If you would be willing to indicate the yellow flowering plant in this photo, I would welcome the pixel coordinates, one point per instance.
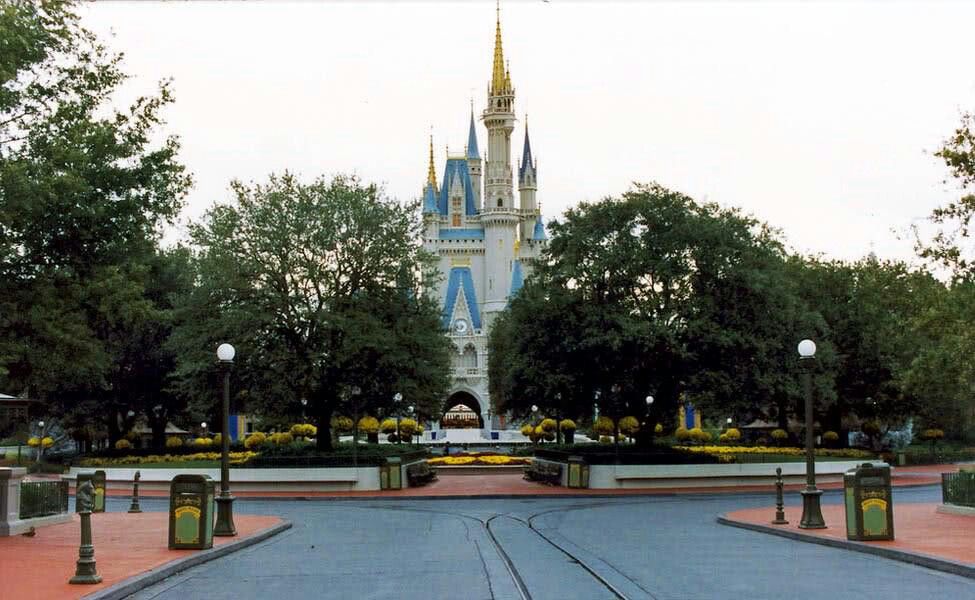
(254, 440)
(567, 425)
(123, 444)
(47, 442)
(368, 425)
(629, 426)
(604, 426)
(236, 458)
(34, 442)
(174, 442)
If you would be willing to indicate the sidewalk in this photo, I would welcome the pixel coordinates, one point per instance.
(126, 546)
(922, 536)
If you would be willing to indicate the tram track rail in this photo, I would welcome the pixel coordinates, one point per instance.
(517, 578)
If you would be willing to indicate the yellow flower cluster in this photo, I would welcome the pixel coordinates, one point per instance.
(486, 459)
(236, 458)
(719, 450)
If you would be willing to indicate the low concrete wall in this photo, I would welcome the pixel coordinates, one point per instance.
(669, 476)
(311, 479)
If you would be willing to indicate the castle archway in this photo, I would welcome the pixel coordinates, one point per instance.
(462, 411)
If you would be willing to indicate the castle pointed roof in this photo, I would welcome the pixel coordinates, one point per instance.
(430, 199)
(472, 141)
(458, 173)
(431, 172)
(539, 233)
(499, 77)
(517, 278)
(526, 155)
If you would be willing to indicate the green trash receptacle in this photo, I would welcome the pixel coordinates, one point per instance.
(578, 474)
(97, 479)
(191, 512)
(395, 464)
(868, 501)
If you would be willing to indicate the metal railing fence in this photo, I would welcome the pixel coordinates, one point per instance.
(958, 488)
(43, 498)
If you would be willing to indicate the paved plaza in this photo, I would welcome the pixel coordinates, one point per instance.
(660, 547)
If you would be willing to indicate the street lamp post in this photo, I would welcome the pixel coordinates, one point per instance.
(409, 411)
(812, 514)
(558, 418)
(648, 424)
(225, 501)
(355, 391)
(40, 440)
(396, 400)
(204, 426)
(535, 420)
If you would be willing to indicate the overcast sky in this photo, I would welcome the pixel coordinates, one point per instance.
(818, 118)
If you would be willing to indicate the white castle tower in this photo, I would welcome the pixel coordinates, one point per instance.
(486, 244)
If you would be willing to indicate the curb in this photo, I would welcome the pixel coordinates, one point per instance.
(131, 585)
(922, 560)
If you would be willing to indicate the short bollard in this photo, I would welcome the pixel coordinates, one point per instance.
(779, 509)
(135, 508)
(85, 571)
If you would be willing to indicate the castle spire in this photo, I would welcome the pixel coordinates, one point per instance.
(431, 172)
(498, 76)
(472, 151)
(526, 154)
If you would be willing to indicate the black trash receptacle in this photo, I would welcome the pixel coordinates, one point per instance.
(97, 480)
(869, 506)
(191, 512)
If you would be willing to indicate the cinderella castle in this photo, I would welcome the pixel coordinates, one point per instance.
(486, 244)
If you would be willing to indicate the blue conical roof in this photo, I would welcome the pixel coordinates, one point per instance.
(539, 232)
(430, 199)
(526, 156)
(472, 141)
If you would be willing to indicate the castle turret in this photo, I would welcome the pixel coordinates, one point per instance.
(431, 212)
(499, 216)
(474, 162)
(527, 186)
(499, 118)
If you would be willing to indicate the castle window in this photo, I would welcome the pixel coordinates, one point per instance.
(469, 358)
(456, 222)
(499, 202)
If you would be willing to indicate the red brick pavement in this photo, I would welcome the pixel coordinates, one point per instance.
(918, 529)
(39, 567)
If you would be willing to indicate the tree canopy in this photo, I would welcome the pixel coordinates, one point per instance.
(318, 286)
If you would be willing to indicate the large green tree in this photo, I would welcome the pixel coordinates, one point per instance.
(950, 246)
(871, 308)
(84, 189)
(318, 286)
(652, 294)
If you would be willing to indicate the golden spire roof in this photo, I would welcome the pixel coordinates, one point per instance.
(498, 75)
(431, 172)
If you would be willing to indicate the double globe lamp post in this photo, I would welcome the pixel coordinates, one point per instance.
(812, 514)
(225, 501)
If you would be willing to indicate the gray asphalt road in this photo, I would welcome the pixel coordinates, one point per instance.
(662, 547)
